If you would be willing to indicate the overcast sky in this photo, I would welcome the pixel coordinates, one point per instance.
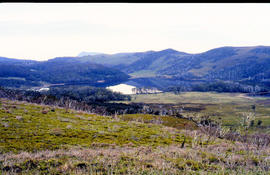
(43, 31)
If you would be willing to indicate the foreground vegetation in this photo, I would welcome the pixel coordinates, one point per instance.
(33, 127)
(40, 139)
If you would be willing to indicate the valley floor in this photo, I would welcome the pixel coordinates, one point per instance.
(229, 109)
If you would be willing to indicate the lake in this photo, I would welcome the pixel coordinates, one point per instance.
(122, 88)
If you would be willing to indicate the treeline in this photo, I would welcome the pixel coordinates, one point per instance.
(219, 86)
(222, 86)
(17, 83)
(87, 94)
(89, 99)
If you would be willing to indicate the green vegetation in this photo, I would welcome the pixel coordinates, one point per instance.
(192, 97)
(163, 120)
(167, 133)
(223, 86)
(66, 70)
(226, 108)
(202, 70)
(86, 98)
(87, 94)
(143, 73)
(40, 139)
(27, 127)
(141, 160)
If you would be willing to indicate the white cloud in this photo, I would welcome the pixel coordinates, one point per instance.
(43, 31)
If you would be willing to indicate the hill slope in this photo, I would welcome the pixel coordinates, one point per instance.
(59, 70)
(37, 139)
(226, 63)
(114, 59)
(242, 64)
(161, 69)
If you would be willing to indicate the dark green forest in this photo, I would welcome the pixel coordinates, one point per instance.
(19, 73)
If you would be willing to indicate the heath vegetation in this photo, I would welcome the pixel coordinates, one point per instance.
(43, 139)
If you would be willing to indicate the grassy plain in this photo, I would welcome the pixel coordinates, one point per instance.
(195, 97)
(143, 73)
(227, 108)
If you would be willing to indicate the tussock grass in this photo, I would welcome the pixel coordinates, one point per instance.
(75, 142)
(35, 130)
(223, 158)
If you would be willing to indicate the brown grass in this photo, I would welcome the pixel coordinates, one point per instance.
(224, 156)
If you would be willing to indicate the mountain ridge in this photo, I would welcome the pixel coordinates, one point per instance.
(88, 53)
(248, 65)
(61, 70)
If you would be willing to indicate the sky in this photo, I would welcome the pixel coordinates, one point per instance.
(41, 31)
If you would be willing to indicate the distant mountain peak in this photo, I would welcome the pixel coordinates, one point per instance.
(88, 53)
(169, 50)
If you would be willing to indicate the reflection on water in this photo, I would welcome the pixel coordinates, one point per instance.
(129, 89)
(123, 88)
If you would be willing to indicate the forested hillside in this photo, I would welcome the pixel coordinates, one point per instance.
(245, 65)
(17, 73)
(249, 66)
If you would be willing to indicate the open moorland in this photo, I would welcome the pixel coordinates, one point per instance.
(40, 139)
(228, 109)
